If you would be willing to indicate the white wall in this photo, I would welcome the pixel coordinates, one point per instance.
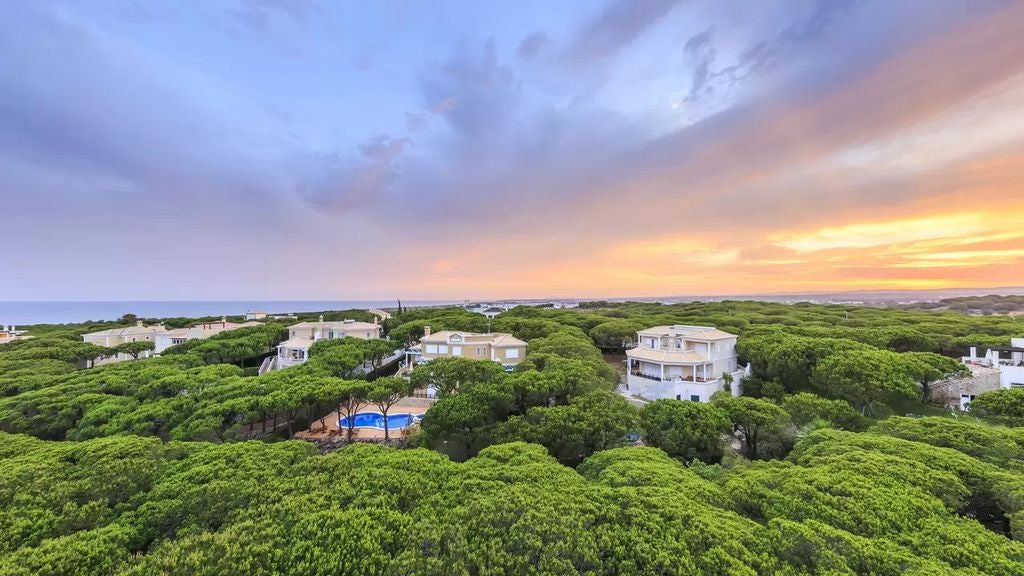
(654, 390)
(1011, 376)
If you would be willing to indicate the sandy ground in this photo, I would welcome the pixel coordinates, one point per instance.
(406, 405)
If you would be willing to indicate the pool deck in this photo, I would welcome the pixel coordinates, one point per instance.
(404, 406)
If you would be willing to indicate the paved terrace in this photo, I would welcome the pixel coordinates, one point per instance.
(405, 405)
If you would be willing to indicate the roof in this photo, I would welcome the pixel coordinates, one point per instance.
(688, 332)
(494, 309)
(342, 325)
(126, 331)
(347, 326)
(507, 340)
(495, 338)
(296, 343)
(667, 356)
(209, 328)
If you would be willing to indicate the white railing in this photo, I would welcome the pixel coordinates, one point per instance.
(267, 365)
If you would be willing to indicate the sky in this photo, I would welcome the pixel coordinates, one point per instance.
(290, 149)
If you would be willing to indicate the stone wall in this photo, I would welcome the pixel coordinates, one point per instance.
(947, 392)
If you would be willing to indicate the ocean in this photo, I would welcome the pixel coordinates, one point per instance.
(25, 313)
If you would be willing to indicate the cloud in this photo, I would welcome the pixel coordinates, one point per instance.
(265, 16)
(701, 49)
(76, 101)
(617, 26)
(532, 45)
(415, 121)
(815, 143)
(343, 184)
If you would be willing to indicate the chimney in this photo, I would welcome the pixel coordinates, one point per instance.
(376, 320)
(138, 323)
(321, 318)
(426, 331)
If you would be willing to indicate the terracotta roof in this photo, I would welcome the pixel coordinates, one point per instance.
(296, 343)
(667, 356)
(506, 341)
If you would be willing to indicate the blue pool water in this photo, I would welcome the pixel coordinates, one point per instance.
(376, 420)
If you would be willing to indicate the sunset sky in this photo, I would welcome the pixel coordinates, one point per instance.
(476, 149)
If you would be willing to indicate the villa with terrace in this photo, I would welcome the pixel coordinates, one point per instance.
(683, 363)
(301, 336)
(504, 349)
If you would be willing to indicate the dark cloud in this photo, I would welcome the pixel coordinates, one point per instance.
(803, 35)
(702, 50)
(263, 16)
(617, 26)
(532, 45)
(474, 92)
(825, 16)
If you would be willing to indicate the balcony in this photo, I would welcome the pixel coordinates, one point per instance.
(694, 379)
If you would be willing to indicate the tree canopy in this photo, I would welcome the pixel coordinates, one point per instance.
(180, 464)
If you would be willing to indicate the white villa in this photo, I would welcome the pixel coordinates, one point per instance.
(1010, 369)
(295, 350)
(682, 363)
(164, 340)
(115, 336)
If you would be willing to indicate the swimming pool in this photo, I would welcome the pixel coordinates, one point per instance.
(376, 420)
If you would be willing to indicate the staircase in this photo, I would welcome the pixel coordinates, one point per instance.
(267, 365)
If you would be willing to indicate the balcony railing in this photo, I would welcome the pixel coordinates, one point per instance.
(696, 379)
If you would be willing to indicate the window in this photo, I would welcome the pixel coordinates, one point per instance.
(442, 348)
(479, 351)
(431, 348)
(694, 398)
(511, 353)
(456, 350)
(679, 397)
